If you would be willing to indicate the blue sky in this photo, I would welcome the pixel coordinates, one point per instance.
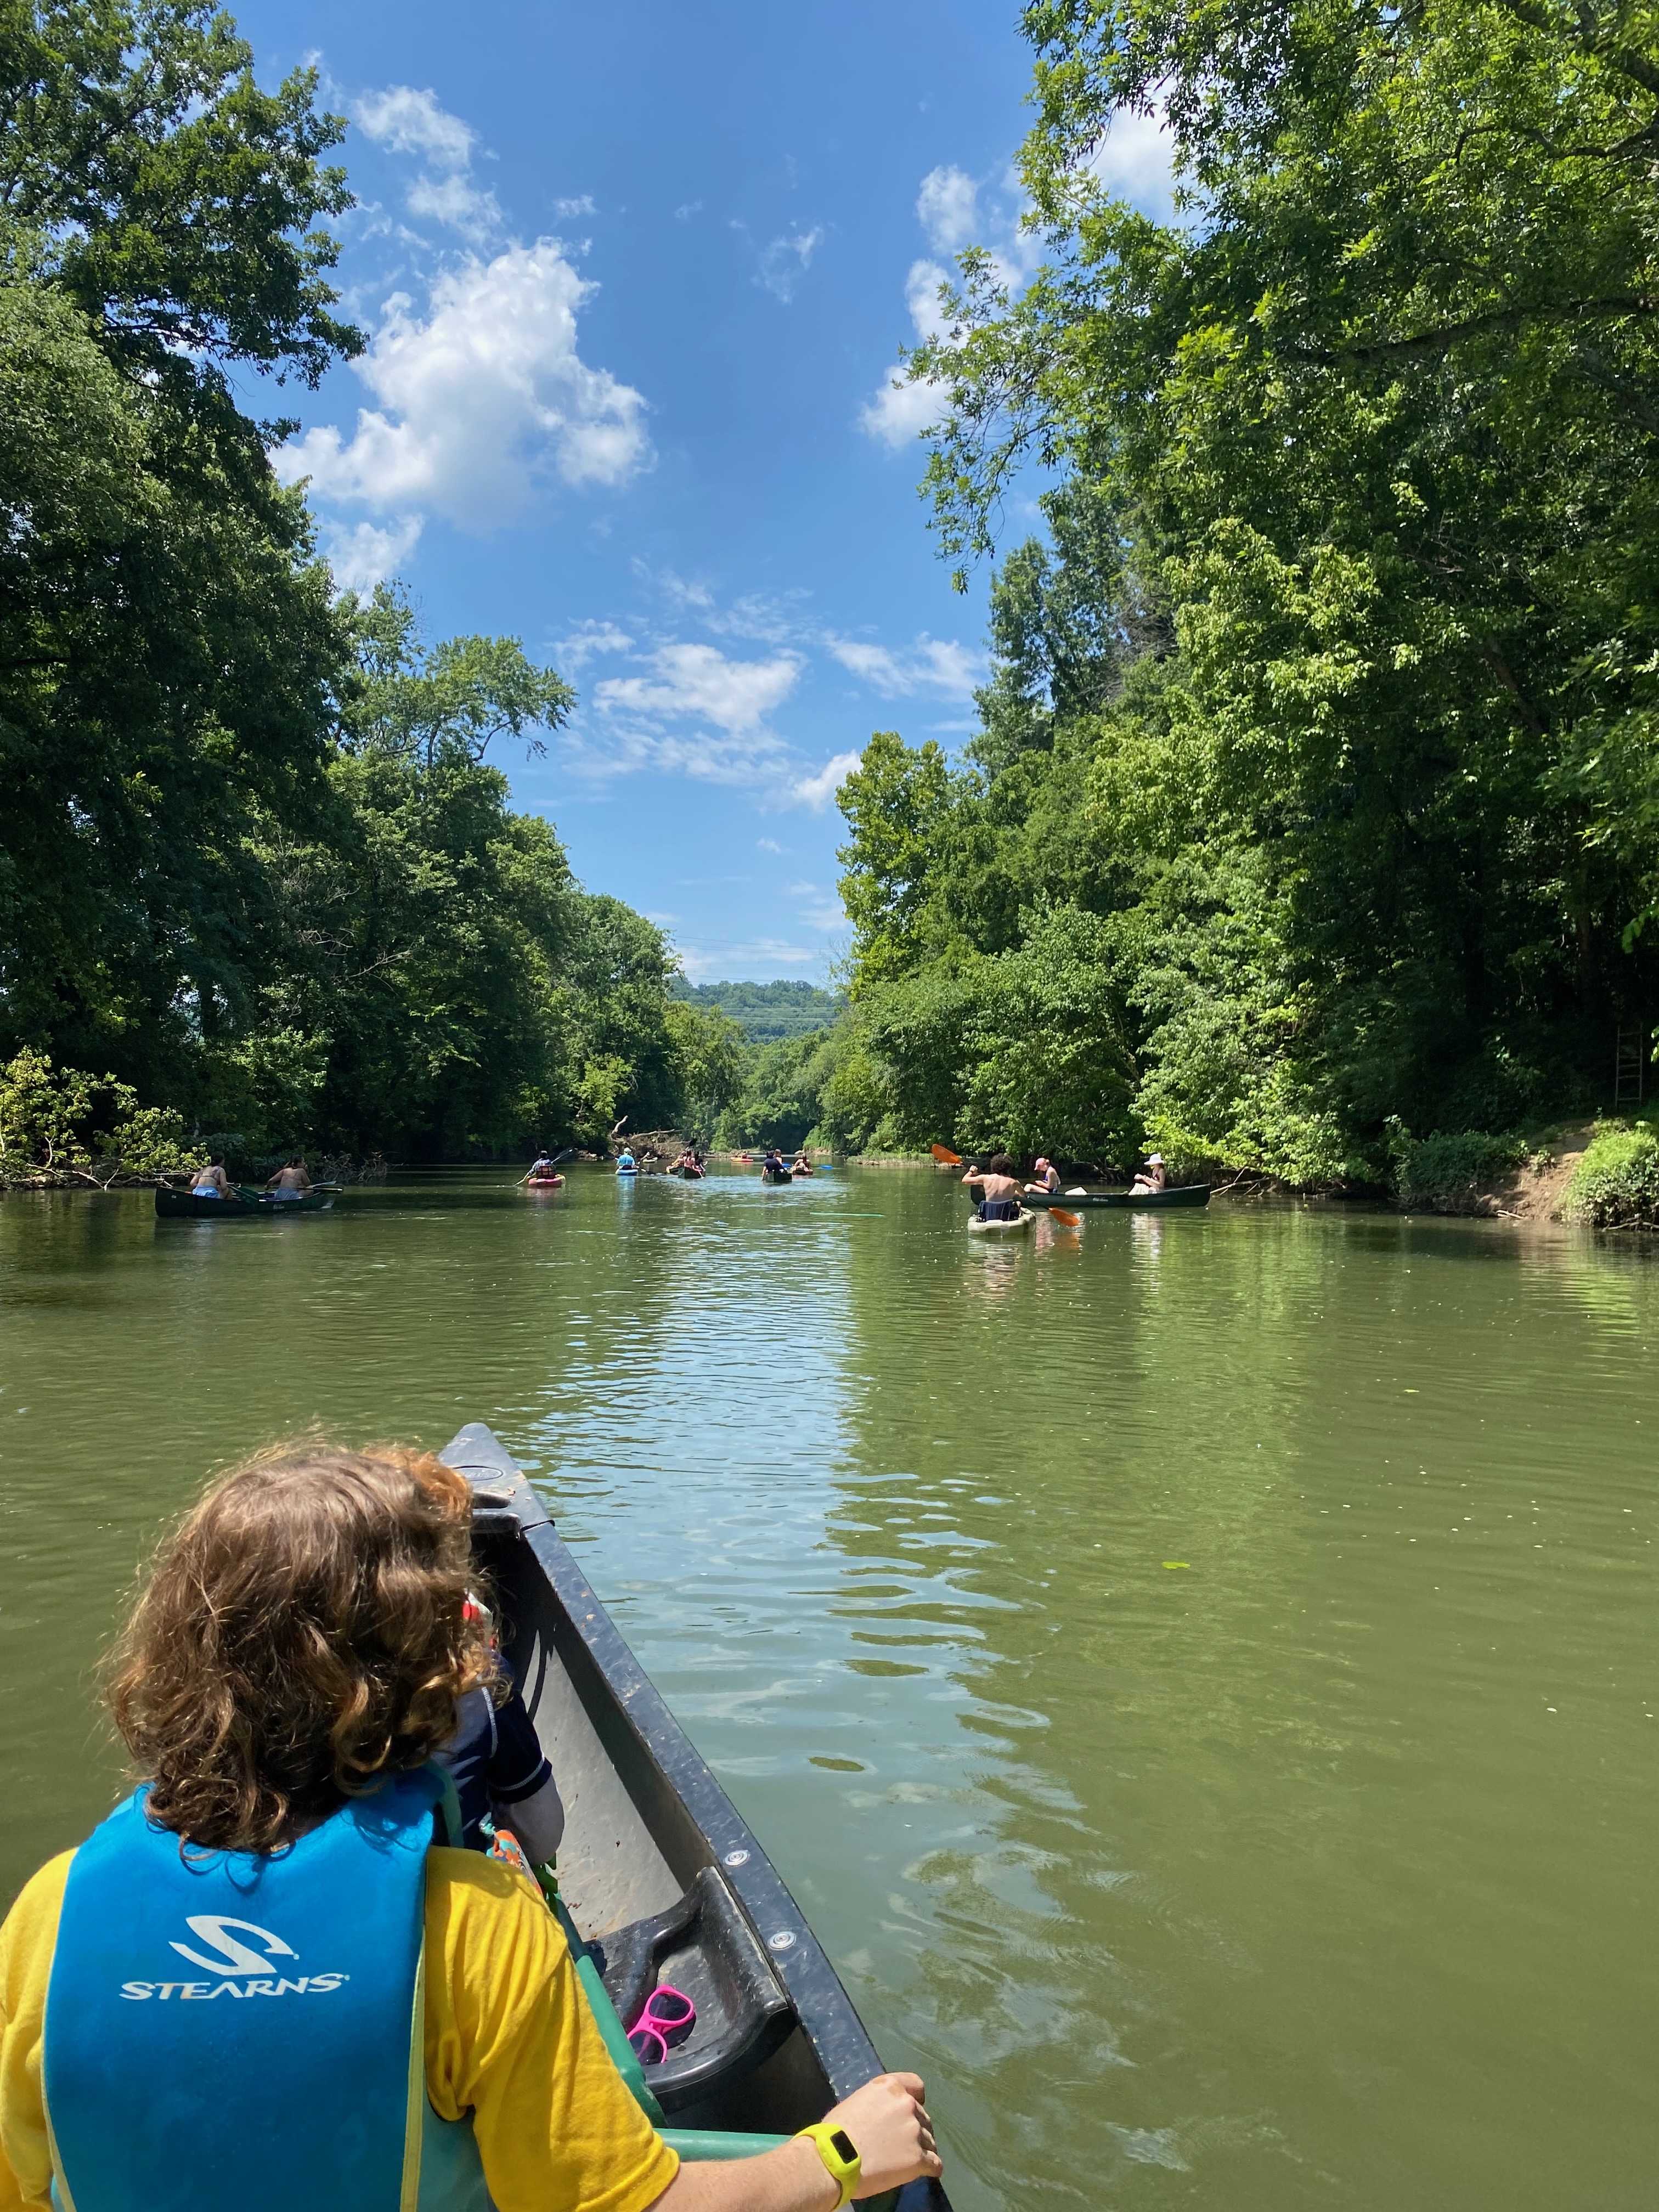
(636, 282)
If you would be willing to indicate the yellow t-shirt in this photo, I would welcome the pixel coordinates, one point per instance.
(509, 2037)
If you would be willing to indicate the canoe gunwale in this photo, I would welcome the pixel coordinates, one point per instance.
(692, 1821)
(1183, 1194)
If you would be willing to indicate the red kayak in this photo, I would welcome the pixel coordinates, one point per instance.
(543, 1182)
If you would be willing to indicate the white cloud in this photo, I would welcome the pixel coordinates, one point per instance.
(931, 664)
(405, 121)
(588, 639)
(480, 401)
(456, 202)
(947, 207)
(817, 791)
(686, 213)
(726, 964)
(786, 260)
(767, 845)
(1133, 161)
(364, 555)
(698, 681)
(582, 205)
(954, 212)
(901, 410)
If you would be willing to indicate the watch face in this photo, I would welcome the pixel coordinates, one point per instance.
(845, 2147)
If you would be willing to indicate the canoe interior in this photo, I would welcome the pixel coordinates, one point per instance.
(1194, 1194)
(662, 1878)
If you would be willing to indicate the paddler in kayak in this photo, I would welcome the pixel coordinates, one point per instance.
(235, 1956)
(800, 1165)
(999, 1189)
(1153, 1176)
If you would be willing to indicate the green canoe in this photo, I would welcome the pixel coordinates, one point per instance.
(186, 1206)
(1192, 1194)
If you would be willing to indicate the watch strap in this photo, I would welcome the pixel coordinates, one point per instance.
(844, 2171)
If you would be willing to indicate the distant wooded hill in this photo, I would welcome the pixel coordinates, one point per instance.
(767, 1011)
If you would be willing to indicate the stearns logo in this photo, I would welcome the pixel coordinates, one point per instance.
(233, 1958)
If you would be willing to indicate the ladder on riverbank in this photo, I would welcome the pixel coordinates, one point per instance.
(1629, 1065)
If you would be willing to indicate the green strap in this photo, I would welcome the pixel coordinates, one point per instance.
(699, 2146)
(605, 2014)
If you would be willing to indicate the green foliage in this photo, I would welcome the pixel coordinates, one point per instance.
(252, 858)
(450, 702)
(1448, 1172)
(765, 1012)
(1334, 691)
(175, 200)
(708, 1051)
(1616, 1183)
(47, 1134)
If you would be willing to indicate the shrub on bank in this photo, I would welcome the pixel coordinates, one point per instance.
(48, 1136)
(1616, 1183)
(1450, 1171)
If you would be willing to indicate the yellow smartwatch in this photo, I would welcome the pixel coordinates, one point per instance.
(840, 2156)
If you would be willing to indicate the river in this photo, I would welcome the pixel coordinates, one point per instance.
(1198, 1675)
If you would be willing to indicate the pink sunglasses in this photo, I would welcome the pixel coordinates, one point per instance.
(668, 2018)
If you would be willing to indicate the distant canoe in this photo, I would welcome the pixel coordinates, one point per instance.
(1023, 1220)
(687, 1175)
(1191, 1194)
(782, 1178)
(186, 1206)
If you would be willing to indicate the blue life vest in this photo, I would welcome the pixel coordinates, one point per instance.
(226, 2029)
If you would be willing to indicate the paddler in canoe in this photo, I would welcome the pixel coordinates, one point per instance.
(290, 1182)
(212, 1181)
(999, 1189)
(1047, 1175)
(1153, 1176)
(235, 1955)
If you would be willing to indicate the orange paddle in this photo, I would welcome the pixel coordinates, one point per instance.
(1071, 1220)
(946, 1158)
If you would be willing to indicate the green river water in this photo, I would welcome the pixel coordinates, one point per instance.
(1315, 1870)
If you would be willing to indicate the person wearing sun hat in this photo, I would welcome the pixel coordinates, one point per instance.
(1153, 1176)
(1047, 1175)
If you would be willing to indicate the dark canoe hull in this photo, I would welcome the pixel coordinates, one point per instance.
(687, 1175)
(185, 1206)
(1193, 1193)
(780, 1182)
(662, 1876)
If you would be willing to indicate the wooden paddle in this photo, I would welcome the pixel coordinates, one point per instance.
(946, 1158)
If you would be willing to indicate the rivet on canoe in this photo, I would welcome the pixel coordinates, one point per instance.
(783, 1941)
(735, 1859)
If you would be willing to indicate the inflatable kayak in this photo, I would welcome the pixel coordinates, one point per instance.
(543, 1182)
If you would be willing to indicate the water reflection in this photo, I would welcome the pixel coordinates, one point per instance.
(1196, 1672)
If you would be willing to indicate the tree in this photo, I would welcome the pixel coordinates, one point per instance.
(168, 650)
(1371, 420)
(454, 700)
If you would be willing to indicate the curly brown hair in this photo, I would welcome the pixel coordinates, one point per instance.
(304, 1633)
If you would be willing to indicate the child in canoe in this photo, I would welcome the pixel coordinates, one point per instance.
(269, 1986)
